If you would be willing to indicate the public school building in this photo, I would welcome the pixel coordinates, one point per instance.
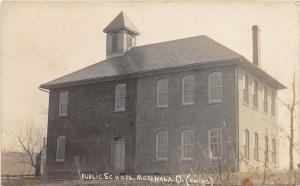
(179, 106)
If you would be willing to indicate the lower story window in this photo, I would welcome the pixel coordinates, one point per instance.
(162, 145)
(187, 144)
(60, 148)
(215, 142)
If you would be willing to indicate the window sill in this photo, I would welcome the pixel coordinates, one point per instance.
(215, 159)
(162, 106)
(266, 114)
(161, 160)
(214, 102)
(60, 160)
(119, 110)
(246, 104)
(62, 116)
(256, 161)
(187, 159)
(187, 104)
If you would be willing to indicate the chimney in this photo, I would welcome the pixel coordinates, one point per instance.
(256, 45)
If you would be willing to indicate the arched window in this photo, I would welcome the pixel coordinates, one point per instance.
(60, 148)
(246, 88)
(215, 142)
(215, 87)
(274, 151)
(120, 96)
(256, 147)
(162, 93)
(265, 101)
(273, 103)
(187, 144)
(63, 103)
(247, 145)
(188, 90)
(162, 145)
(255, 97)
(266, 149)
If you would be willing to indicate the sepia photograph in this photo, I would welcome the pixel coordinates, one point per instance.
(150, 93)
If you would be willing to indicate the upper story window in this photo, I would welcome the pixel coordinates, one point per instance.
(215, 142)
(256, 147)
(247, 145)
(246, 88)
(255, 97)
(266, 149)
(120, 97)
(273, 103)
(188, 90)
(162, 145)
(63, 103)
(162, 93)
(215, 87)
(265, 100)
(274, 151)
(60, 148)
(187, 144)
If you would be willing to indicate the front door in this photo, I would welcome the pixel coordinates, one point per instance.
(119, 154)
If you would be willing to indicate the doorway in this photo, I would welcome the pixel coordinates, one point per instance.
(119, 154)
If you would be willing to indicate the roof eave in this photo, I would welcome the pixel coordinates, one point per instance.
(121, 28)
(141, 73)
(259, 72)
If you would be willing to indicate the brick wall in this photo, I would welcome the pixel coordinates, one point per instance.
(90, 127)
(200, 117)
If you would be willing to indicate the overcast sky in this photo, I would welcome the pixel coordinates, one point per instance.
(43, 41)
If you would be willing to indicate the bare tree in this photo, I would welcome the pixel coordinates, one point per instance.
(30, 144)
(291, 108)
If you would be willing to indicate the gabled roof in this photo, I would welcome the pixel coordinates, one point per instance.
(179, 53)
(121, 22)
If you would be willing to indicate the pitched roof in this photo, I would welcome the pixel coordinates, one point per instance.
(159, 56)
(121, 22)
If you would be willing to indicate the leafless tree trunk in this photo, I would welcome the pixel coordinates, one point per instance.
(30, 143)
(291, 108)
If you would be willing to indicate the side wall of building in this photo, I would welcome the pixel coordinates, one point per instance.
(90, 127)
(199, 117)
(256, 121)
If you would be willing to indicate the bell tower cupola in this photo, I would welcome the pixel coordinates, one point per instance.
(121, 35)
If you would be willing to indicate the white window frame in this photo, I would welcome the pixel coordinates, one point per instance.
(273, 97)
(247, 144)
(215, 85)
(274, 151)
(256, 147)
(63, 103)
(63, 148)
(246, 88)
(255, 94)
(265, 99)
(120, 97)
(217, 131)
(183, 153)
(161, 147)
(266, 152)
(162, 92)
(190, 79)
